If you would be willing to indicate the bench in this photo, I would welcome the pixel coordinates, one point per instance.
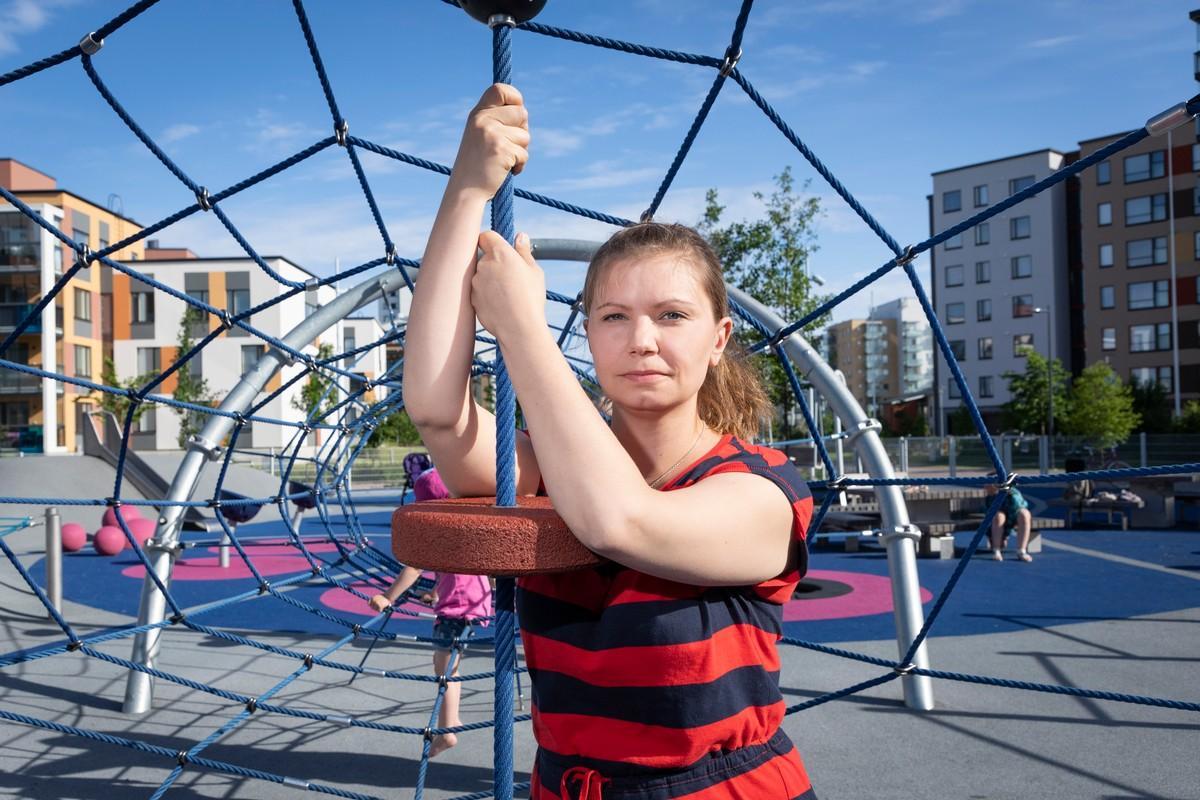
(937, 538)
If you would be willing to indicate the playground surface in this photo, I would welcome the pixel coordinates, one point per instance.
(1108, 610)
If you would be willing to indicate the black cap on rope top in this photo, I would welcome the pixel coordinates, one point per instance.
(517, 10)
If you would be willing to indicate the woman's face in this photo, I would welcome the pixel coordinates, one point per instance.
(653, 334)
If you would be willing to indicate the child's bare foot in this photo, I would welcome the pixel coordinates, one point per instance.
(442, 743)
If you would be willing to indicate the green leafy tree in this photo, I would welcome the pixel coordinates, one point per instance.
(396, 429)
(1189, 420)
(118, 405)
(1027, 410)
(960, 423)
(1151, 402)
(189, 388)
(312, 399)
(1100, 408)
(768, 258)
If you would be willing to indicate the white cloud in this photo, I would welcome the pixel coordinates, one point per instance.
(178, 132)
(553, 142)
(606, 175)
(22, 17)
(1053, 41)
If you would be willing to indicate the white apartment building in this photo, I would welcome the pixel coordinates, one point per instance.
(146, 326)
(1002, 286)
(914, 345)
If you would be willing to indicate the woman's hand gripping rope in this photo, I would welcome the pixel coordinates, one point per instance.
(508, 289)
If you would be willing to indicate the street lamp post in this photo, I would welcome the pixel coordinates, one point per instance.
(1049, 371)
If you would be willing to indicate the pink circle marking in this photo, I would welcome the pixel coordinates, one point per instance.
(341, 600)
(270, 558)
(869, 594)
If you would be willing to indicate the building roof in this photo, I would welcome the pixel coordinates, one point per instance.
(1102, 138)
(998, 160)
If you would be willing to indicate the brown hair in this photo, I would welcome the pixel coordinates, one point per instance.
(732, 398)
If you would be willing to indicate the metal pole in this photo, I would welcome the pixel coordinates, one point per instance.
(54, 559)
(1049, 375)
(223, 550)
(1142, 447)
(952, 455)
(202, 448)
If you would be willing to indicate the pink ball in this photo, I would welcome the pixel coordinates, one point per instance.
(109, 540)
(142, 530)
(74, 537)
(128, 513)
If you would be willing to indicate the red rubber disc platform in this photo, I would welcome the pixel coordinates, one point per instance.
(470, 535)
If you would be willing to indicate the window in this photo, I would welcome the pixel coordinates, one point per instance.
(1196, 246)
(1196, 158)
(1104, 214)
(985, 386)
(1143, 375)
(1022, 305)
(981, 195)
(83, 305)
(1196, 201)
(955, 313)
(1146, 166)
(148, 360)
(104, 234)
(1149, 294)
(83, 361)
(959, 348)
(1108, 297)
(983, 269)
(1146, 252)
(142, 310)
(1022, 342)
(983, 233)
(1103, 173)
(1108, 338)
(1018, 228)
(983, 309)
(57, 260)
(985, 348)
(952, 390)
(200, 295)
(1106, 255)
(1147, 338)
(954, 275)
(237, 300)
(1020, 184)
(954, 242)
(250, 354)
(146, 422)
(951, 201)
(1148, 208)
(1022, 267)
(349, 342)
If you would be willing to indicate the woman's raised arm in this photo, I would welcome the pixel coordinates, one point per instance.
(440, 339)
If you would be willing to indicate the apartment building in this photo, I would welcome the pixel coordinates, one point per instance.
(146, 330)
(885, 356)
(1001, 287)
(39, 414)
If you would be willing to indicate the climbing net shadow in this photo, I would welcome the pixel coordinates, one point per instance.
(347, 421)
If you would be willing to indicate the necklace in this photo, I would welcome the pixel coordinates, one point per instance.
(654, 484)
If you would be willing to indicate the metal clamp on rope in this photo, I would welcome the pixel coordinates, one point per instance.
(1173, 117)
(211, 450)
(341, 131)
(1009, 483)
(181, 758)
(286, 358)
(427, 734)
(501, 19)
(375, 671)
(74, 645)
(252, 704)
(295, 783)
(226, 319)
(904, 670)
(647, 216)
(308, 661)
(389, 255)
(112, 502)
(84, 256)
(264, 587)
(906, 257)
(202, 199)
(730, 63)
(239, 419)
(339, 719)
(862, 427)
(89, 45)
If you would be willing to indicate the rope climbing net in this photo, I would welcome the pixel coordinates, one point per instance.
(351, 562)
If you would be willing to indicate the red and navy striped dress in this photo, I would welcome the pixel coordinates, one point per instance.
(651, 689)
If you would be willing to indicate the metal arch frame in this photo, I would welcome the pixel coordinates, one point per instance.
(900, 536)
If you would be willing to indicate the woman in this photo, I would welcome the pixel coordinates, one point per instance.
(657, 675)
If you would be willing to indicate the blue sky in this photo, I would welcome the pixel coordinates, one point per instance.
(884, 91)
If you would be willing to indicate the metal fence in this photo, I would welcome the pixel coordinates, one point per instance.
(375, 467)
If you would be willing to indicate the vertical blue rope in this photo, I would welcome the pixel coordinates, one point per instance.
(506, 483)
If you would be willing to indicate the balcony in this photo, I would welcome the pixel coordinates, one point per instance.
(19, 255)
(11, 316)
(13, 382)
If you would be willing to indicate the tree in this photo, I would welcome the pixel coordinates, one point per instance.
(1189, 420)
(768, 258)
(1100, 407)
(1027, 410)
(189, 387)
(960, 423)
(313, 399)
(118, 405)
(396, 428)
(1152, 404)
